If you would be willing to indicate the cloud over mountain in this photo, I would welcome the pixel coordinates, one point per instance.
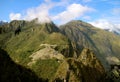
(72, 11)
(107, 25)
(43, 12)
(15, 16)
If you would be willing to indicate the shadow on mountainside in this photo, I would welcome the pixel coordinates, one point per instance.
(12, 72)
(75, 71)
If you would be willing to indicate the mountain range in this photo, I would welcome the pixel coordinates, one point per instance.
(73, 52)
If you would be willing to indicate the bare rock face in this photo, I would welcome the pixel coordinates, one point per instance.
(93, 67)
(88, 58)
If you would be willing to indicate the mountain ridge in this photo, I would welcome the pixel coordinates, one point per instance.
(46, 48)
(97, 39)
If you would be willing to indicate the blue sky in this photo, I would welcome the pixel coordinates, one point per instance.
(95, 12)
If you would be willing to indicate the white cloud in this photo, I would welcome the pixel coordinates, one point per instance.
(41, 12)
(105, 24)
(15, 16)
(73, 11)
(44, 12)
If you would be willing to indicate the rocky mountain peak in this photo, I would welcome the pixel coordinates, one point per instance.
(87, 69)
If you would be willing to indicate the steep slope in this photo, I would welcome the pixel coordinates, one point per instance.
(7, 30)
(83, 69)
(31, 36)
(37, 46)
(12, 72)
(104, 44)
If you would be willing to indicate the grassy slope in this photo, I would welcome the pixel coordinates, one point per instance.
(12, 72)
(29, 40)
(21, 46)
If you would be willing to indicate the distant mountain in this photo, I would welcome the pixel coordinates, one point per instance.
(2, 23)
(72, 52)
(104, 44)
(108, 26)
(117, 31)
